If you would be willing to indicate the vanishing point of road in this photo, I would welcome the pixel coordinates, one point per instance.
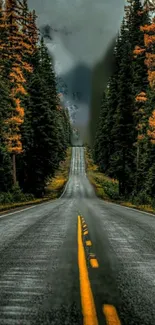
(77, 260)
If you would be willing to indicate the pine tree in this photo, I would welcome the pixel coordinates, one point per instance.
(34, 128)
(2, 38)
(126, 118)
(43, 132)
(104, 141)
(101, 144)
(5, 160)
(122, 159)
(136, 19)
(14, 49)
(149, 42)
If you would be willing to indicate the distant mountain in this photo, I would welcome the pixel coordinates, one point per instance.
(74, 85)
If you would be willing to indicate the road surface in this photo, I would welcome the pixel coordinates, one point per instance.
(77, 260)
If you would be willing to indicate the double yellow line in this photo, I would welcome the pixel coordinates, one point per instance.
(87, 300)
(92, 258)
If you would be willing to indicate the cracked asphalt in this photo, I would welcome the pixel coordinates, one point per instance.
(39, 267)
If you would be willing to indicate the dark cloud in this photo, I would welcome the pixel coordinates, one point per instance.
(78, 83)
(100, 75)
(80, 35)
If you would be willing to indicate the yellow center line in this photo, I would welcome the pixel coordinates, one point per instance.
(111, 315)
(87, 300)
(88, 243)
(94, 262)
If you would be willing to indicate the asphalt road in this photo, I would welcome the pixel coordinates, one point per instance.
(77, 260)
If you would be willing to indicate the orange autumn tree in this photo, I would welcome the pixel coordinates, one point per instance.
(1, 31)
(141, 118)
(140, 100)
(3, 39)
(149, 40)
(149, 50)
(17, 48)
(136, 17)
(151, 131)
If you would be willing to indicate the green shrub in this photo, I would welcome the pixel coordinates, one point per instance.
(6, 198)
(142, 199)
(111, 189)
(100, 192)
(17, 194)
(29, 197)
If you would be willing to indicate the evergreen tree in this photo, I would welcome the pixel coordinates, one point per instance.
(101, 148)
(126, 113)
(34, 127)
(105, 140)
(122, 158)
(43, 133)
(14, 50)
(5, 159)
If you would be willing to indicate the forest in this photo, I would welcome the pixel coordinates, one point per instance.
(124, 147)
(34, 126)
(35, 129)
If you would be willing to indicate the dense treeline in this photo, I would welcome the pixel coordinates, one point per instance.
(124, 147)
(34, 127)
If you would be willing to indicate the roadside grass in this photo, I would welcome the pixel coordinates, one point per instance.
(107, 188)
(54, 188)
(56, 185)
(13, 206)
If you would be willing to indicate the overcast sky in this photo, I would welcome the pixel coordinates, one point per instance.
(90, 26)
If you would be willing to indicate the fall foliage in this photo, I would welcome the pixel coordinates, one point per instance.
(124, 147)
(27, 70)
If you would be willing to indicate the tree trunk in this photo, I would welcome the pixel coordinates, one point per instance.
(137, 167)
(120, 188)
(122, 180)
(14, 169)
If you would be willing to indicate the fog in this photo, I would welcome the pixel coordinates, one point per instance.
(80, 36)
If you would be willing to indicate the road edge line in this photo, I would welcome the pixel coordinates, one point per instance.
(129, 208)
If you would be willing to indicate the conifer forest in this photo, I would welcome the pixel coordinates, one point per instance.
(34, 127)
(124, 147)
(77, 162)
